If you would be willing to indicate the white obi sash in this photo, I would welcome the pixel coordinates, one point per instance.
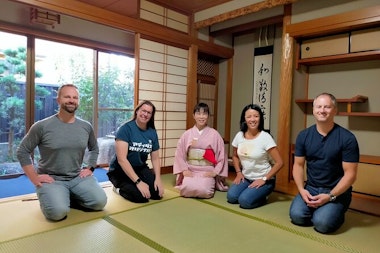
(195, 157)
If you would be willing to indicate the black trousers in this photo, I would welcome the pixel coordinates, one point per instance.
(128, 189)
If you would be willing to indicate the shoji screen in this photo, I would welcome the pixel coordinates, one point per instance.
(163, 79)
(164, 16)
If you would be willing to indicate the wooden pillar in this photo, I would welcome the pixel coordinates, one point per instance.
(192, 87)
(137, 67)
(227, 127)
(284, 121)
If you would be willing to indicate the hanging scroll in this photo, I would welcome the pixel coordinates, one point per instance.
(263, 81)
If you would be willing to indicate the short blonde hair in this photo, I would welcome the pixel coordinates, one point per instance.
(65, 85)
(332, 97)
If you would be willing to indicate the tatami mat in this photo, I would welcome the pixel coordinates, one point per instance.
(353, 236)
(23, 217)
(177, 224)
(97, 236)
(188, 225)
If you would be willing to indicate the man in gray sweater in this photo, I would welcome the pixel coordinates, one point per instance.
(62, 140)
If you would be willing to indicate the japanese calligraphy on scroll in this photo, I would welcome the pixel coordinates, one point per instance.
(262, 81)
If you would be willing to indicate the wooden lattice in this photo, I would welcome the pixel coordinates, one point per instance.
(206, 67)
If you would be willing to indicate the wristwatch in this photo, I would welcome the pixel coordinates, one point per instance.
(332, 197)
(138, 181)
(92, 169)
(264, 178)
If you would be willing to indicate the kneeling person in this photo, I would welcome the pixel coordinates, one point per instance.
(129, 171)
(62, 140)
(200, 163)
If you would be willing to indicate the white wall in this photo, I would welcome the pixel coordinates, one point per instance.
(242, 88)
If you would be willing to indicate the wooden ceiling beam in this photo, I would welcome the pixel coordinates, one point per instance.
(146, 29)
(248, 27)
(267, 4)
(336, 23)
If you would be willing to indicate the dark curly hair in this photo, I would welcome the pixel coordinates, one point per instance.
(243, 124)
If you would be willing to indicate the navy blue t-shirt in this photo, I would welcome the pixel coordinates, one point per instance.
(324, 154)
(140, 144)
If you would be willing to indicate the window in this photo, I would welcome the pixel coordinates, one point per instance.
(115, 92)
(12, 97)
(28, 94)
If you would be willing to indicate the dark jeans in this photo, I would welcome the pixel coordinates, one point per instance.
(128, 189)
(327, 218)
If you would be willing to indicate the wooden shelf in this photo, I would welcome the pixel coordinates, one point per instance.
(331, 25)
(342, 58)
(371, 159)
(360, 114)
(356, 99)
(349, 101)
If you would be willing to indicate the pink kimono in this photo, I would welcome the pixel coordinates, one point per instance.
(200, 153)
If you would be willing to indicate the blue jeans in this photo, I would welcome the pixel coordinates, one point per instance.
(249, 198)
(327, 218)
(55, 198)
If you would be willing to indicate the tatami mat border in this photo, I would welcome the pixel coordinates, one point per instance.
(137, 235)
(106, 218)
(116, 224)
(150, 243)
(285, 228)
(142, 206)
(50, 230)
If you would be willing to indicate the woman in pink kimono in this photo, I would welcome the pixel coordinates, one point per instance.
(200, 163)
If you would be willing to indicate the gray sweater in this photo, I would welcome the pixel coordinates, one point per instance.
(62, 147)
